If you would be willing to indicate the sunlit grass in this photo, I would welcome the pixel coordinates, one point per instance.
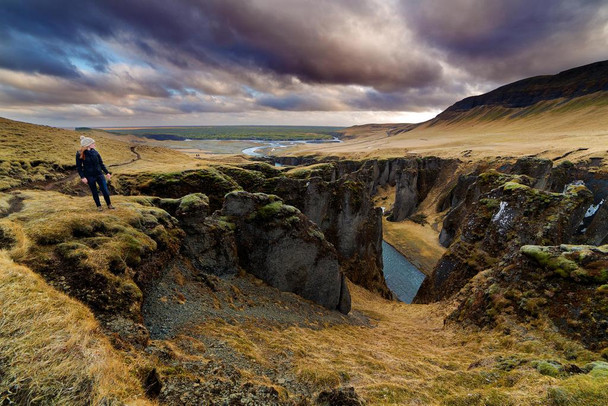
(52, 350)
(408, 357)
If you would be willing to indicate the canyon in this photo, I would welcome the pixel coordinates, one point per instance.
(231, 280)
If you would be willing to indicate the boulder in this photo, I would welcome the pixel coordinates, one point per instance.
(209, 242)
(536, 168)
(281, 246)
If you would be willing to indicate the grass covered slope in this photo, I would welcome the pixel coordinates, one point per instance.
(403, 355)
(52, 351)
(569, 84)
(34, 153)
(44, 155)
(549, 129)
(545, 116)
(245, 334)
(91, 256)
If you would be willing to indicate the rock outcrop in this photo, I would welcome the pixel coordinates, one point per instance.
(503, 213)
(209, 181)
(209, 243)
(344, 212)
(327, 193)
(279, 245)
(564, 285)
(414, 180)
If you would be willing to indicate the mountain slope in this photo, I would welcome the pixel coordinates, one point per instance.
(546, 116)
(569, 84)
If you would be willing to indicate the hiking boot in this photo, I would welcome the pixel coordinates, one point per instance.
(111, 207)
(99, 208)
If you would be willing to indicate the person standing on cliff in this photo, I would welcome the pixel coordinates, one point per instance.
(91, 170)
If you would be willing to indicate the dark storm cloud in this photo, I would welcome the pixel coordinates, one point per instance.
(43, 35)
(509, 39)
(315, 41)
(196, 56)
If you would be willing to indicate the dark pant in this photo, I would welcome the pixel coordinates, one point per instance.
(100, 180)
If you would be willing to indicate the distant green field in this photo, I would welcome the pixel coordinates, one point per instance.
(273, 133)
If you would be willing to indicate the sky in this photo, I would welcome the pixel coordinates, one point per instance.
(300, 62)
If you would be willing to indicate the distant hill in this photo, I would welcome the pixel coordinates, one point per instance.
(546, 116)
(568, 84)
(568, 91)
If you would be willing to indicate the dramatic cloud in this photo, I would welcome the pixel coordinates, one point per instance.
(114, 61)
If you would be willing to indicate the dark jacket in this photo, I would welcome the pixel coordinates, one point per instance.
(91, 165)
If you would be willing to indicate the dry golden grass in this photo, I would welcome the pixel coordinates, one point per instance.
(30, 142)
(549, 129)
(51, 343)
(98, 251)
(52, 350)
(34, 153)
(408, 357)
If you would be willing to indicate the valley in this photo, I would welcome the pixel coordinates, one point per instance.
(231, 279)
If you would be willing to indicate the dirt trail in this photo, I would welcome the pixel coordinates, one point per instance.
(137, 158)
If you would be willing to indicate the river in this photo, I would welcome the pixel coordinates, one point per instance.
(401, 276)
(271, 146)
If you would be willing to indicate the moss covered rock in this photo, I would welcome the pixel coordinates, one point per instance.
(209, 181)
(279, 245)
(501, 213)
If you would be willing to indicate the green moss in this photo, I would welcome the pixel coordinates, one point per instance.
(226, 222)
(593, 276)
(509, 363)
(555, 262)
(581, 390)
(578, 190)
(192, 199)
(315, 233)
(495, 178)
(511, 185)
(193, 203)
(292, 220)
(562, 266)
(490, 203)
(72, 251)
(300, 173)
(597, 369)
(549, 368)
(323, 170)
(134, 245)
(268, 211)
(246, 178)
(602, 289)
(539, 253)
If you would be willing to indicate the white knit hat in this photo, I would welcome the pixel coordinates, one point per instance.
(86, 141)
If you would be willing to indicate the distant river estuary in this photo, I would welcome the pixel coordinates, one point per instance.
(403, 278)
